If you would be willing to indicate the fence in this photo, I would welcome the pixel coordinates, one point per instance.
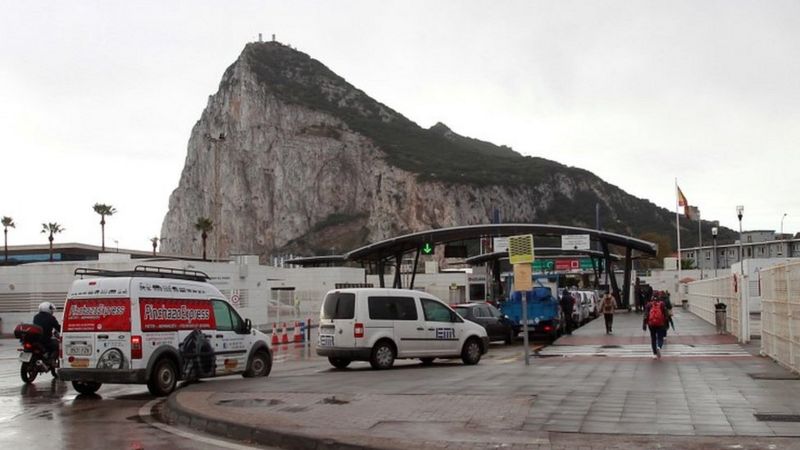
(780, 314)
(704, 294)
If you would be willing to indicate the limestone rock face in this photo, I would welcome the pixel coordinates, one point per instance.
(280, 162)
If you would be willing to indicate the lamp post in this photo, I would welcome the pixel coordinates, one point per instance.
(739, 213)
(780, 245)
(714, 231)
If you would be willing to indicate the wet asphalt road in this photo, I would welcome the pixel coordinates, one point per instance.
(50, 414)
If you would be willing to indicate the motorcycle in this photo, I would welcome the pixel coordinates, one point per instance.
(33, 355)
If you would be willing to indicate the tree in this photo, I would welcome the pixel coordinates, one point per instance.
(7, 222)
(52, 228)
(205, 226)
(154, 241)
(104, 210)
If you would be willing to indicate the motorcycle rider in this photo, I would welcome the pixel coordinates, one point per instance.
(45, 318)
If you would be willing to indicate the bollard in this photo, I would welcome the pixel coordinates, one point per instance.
(720, 317)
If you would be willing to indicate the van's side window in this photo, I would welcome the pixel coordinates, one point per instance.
(222, 315)
(392, 308)
(435, 311)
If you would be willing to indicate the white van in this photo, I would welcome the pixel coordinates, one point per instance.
(381, 325)
(154, 325)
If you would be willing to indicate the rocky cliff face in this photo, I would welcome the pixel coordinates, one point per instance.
(288, 157)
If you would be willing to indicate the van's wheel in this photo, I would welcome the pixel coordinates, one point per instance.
(382, 356)
(260, 365)
(86, 387)
(28, 372)
(427, 361)
(471, 353)
(163, 379)
(339, 363)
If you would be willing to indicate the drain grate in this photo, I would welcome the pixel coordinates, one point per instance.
(777, 417)
(774, 376)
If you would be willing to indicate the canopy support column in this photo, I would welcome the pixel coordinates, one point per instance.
(398, 283)
(381, 268)
(414, 273)
(626, 287)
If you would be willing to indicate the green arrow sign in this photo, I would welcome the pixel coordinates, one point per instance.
(427, 248)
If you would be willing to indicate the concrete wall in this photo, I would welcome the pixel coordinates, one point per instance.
(23, 287)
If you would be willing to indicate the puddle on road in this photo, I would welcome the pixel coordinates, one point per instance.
(249, 402)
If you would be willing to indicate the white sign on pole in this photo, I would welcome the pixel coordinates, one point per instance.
(575, 242)
(500, 244)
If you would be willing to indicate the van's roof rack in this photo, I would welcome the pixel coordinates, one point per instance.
(146, 272)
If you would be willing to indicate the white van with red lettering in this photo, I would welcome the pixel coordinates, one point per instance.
(154, 326)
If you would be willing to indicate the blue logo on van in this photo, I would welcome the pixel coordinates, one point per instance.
(445, 333)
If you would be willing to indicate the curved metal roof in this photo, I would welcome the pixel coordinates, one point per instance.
(539, 251)
(317, 260)
(409, 242)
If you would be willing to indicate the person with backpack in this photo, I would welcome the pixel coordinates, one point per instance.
(607, 307)
(567, 308)
(655, 318)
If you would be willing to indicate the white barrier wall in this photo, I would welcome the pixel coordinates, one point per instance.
(703, 295)
(780, 314)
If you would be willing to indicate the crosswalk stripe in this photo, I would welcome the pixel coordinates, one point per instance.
(640, 350)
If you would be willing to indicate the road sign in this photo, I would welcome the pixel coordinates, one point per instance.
(500, 244)
(522, 277)
(520, 249)
(235, 299)
(427, 248)
(575, 242)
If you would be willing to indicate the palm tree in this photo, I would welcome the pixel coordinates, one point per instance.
(154, 241)
(51, 228)
(205, 226)
(104, 210)
(7, 222)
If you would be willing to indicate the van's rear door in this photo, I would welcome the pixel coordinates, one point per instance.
(337, 319)
(97, 333)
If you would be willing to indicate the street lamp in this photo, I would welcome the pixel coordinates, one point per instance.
(714, 231)
(784, 216)
(739, 212)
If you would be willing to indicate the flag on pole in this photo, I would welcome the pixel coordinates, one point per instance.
(681, 198)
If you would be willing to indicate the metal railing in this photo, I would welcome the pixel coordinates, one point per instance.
(780, 314)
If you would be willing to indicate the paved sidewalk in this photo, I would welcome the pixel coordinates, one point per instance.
(589, 390)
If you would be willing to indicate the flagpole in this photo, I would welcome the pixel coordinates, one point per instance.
(678, 228)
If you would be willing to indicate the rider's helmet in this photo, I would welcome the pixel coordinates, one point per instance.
(47, 307)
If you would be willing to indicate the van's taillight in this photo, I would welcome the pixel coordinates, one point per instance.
(548, 328)
(136, 347)
(358, 330)
(27, 345)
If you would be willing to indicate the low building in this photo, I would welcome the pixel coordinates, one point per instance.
(758, 244)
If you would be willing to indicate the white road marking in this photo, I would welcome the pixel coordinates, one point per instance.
(144, 414)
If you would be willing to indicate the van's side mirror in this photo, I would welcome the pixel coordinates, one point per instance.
(248, 326)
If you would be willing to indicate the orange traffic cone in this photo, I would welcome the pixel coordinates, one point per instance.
(274, 335)
(297, 336)
(284, 336)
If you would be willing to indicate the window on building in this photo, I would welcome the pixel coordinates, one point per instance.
(708, 255)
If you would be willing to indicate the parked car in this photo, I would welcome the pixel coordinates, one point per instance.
(581, 312)
(381, 325)
(498, 326)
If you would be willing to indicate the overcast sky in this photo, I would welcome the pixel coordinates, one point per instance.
(98, 98)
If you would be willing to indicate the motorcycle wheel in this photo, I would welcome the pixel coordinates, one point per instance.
(28, 372)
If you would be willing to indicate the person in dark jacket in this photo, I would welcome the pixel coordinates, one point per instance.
(567, 308)
(45, 319)
(657, 331)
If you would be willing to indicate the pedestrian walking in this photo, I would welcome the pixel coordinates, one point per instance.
(607, 306)
(567, 308)
(655, 318)
(664, 296)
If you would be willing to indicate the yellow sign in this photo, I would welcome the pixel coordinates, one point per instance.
(520, 249)
(522, 277)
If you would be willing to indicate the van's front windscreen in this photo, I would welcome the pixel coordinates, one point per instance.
(339, 305)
